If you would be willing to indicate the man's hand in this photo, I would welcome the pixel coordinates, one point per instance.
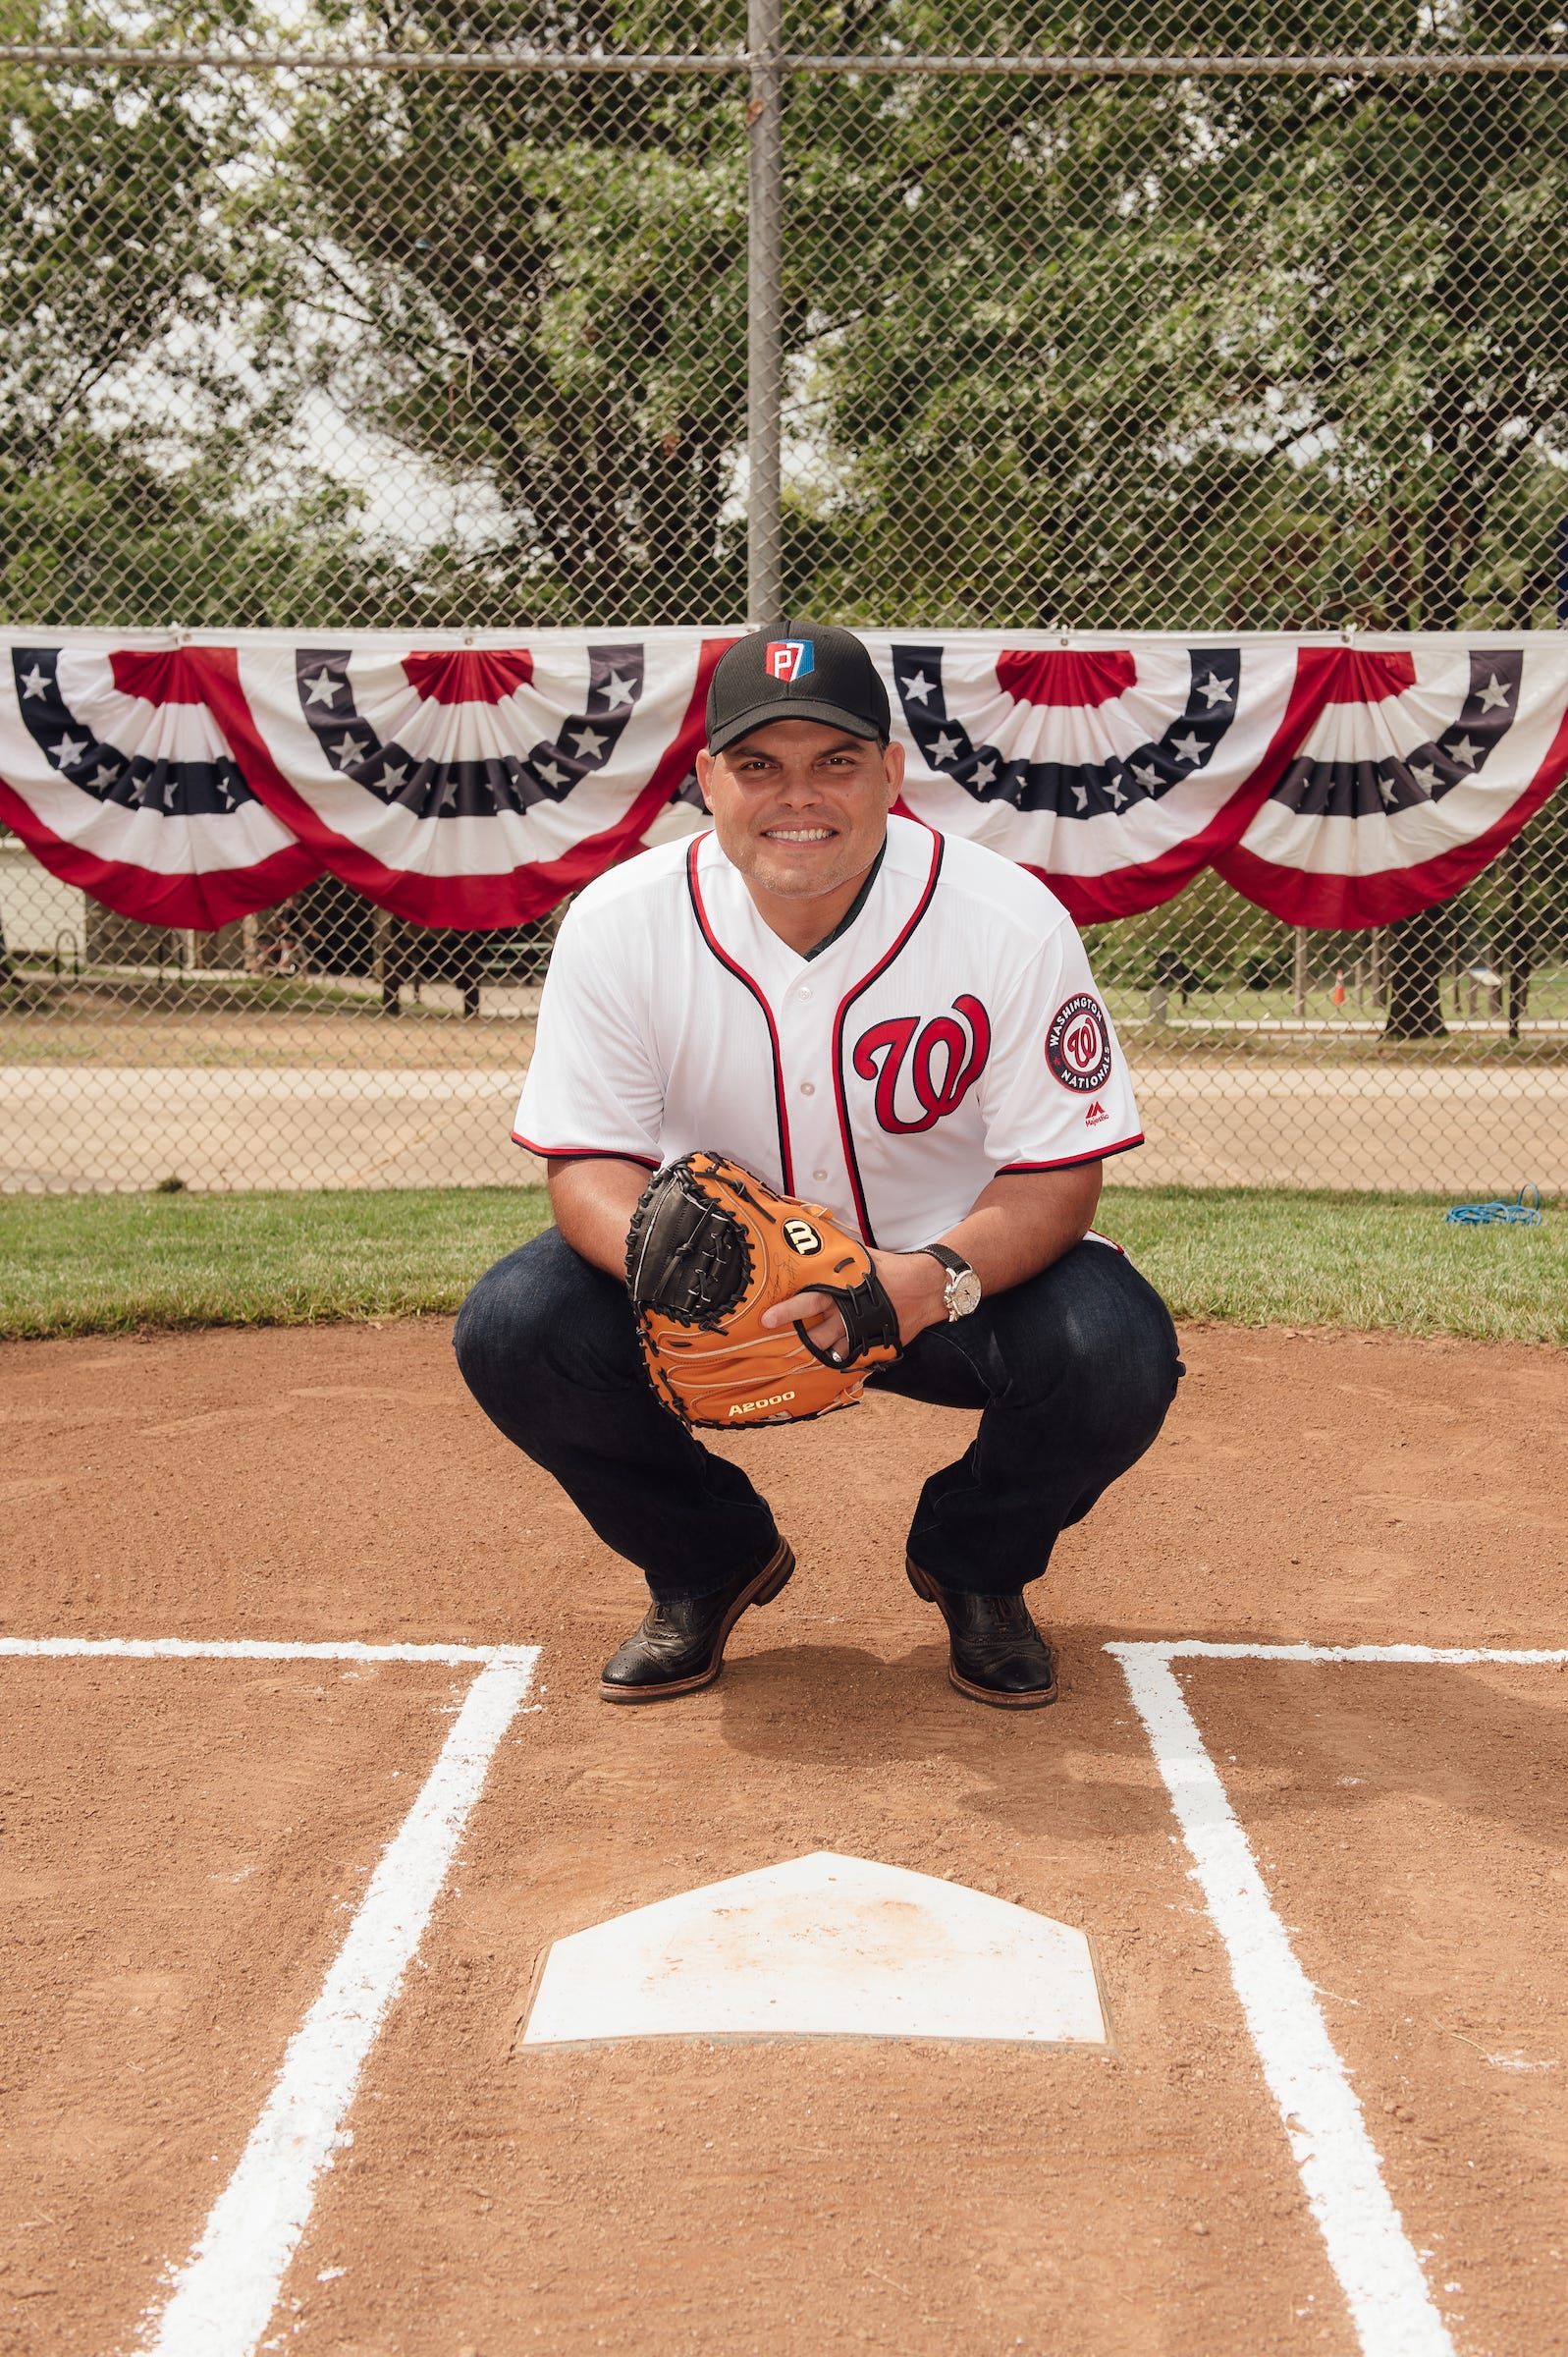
(913, 1281)
(1022, 1222)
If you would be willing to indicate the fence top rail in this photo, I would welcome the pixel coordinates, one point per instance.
(1412, 64)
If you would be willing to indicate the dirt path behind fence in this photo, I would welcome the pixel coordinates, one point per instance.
(92, 1127)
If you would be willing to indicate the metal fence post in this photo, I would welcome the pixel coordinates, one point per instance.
(763, 323)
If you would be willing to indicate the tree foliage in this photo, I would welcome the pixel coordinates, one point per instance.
(1275, 352)
(1261, 352)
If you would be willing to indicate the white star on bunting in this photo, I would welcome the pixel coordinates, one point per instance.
(918, 688)
(985, 773)
(322, 688)
(69, 749)
(1190, 746)
(1493, 695)
(1464, 752)
(34, 684)
(551, 772)
(1080, 794)
(618, 690)
(589, 744)
(943, 748)
(1146, 774)
(1214, 690)
(1425, 775)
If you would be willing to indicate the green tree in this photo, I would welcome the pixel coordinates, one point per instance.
(1249, 352)
(139, 481)
(537, 282)
(1165, 354)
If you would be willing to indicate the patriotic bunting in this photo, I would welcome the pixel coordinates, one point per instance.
(1115, 770)
(1427, 758)
(472, 785)
(114, 770)
(190, 778)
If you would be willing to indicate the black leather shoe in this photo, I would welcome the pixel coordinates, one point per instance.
(996, 1653)
(680, 1645)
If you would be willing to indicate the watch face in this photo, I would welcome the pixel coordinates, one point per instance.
(963, 1295)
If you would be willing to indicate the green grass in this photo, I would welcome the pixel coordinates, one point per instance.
(109, 1264)
(1294, 1257)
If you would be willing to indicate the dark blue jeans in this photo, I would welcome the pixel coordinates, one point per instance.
(1072, 1374)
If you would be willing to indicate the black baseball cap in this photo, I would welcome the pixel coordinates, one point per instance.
(806, 670)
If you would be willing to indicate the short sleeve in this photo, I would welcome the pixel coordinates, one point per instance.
(1056, 1090)
(593, 1086)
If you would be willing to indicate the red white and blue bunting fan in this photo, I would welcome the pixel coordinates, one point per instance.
(1429, 755)
(469, 785)
(1115, 769)
(115, 773)
(476, 782)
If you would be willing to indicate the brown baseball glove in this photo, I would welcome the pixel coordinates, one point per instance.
(709, 1249)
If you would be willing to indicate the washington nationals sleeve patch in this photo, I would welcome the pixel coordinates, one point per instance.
(1078, 1044)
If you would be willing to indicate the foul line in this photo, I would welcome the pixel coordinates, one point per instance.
(1368, 2248)
(252, 1649)
(1444, 1656)
(223, 2296)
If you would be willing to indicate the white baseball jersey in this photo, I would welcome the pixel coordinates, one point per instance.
(951, 1031)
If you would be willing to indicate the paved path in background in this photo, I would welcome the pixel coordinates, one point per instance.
(68, 1127)
(1353, 1125)
(128, 1128)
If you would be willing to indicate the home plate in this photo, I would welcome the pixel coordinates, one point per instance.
(823, 1946)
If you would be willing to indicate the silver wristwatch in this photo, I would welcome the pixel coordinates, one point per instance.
(962, 1289)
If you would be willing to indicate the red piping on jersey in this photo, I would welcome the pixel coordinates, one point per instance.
(583, 1153)
(786, 1157)
(839, 1020)
(1070, 1162)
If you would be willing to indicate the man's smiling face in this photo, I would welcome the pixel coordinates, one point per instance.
(800, 808)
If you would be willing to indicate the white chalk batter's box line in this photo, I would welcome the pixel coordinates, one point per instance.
(1376, 2267)
(221, 2301)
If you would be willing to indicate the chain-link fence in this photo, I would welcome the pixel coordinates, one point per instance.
(1227, 321)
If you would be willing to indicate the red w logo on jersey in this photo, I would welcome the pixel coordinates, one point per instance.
(962, 1053)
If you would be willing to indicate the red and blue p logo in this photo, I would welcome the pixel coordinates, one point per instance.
(790, 658)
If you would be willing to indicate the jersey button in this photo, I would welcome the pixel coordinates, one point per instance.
(808, 1088)
(819, 1174)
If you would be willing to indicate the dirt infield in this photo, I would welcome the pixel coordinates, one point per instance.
(190, 1838)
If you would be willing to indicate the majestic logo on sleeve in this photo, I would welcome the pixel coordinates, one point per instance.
(1078, 1045)
(949, 1059)
(790, 658)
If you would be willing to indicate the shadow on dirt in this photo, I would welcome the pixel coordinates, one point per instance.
(1080, 1767)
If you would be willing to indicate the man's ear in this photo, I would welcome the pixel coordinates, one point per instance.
(705, 774)
(892, 756)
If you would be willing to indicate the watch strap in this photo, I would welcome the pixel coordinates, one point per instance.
(953, 1262)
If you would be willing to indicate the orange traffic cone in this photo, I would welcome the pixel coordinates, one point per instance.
(1340, 987)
